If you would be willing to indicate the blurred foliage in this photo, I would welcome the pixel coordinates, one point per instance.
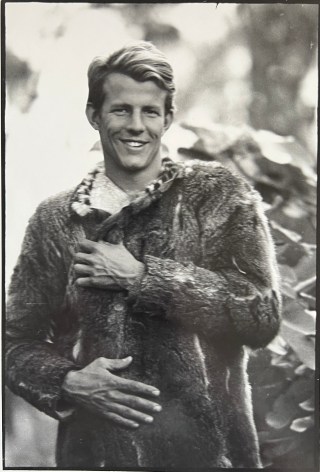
(252, 64)
(30, 435)
(21, 82)
(282, 44)
(283, 375)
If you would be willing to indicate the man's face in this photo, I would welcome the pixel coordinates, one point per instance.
(131, 122)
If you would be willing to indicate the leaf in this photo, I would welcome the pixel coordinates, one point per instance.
(270, 390)
(306, 284)
(284, 410)
(300, 425)
(301, 388)
(249, 167)
(286, 407)
(287, 274)
(289, 253)
(265, 375)
(301, 370)
(296, 315)
(288, 291)
(273, 448)
(307, 405)
(177, 136)
(278, 362)
(286, 367)
(216, 138)
(302, 226)
(273, 145)
(286, 234)
(278, 346)
(302, 345)
(295, 209)
(306, 268)
(289, 279)
(288, 179)
(273, 153)
(310, 299)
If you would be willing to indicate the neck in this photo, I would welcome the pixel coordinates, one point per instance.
(133, 180)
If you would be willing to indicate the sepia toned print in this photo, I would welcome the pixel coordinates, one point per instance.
(143, 313)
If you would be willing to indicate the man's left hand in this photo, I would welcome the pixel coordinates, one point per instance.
(107, 266)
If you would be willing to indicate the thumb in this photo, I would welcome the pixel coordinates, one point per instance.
(118, 364)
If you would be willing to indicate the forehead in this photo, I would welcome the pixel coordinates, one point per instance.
(122, 88)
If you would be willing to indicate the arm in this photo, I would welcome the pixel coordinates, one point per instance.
(121, 400)
(234, 294)
(34, 370)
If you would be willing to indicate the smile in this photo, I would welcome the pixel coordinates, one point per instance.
(134, 144)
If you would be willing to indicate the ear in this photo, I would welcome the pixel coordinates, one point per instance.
(168, 119)
(93, 116)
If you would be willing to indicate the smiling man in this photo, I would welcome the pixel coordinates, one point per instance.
(131, 122)
(136, 293)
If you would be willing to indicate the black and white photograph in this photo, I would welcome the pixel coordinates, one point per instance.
(160, 213)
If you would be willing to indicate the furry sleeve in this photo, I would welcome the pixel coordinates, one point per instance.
(233, 293)
(34, 370)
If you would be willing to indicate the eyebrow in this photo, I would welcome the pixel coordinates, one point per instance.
(120, 104)
(154, 107)
(127, 105)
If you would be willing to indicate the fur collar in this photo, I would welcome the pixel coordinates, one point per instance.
(81, 199)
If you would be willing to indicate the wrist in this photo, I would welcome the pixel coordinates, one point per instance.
(66, 406)
(139, 272)
(68, 383)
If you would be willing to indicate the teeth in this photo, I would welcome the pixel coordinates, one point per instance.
(134, 143)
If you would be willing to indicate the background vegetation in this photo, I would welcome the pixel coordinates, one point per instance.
(247, 81)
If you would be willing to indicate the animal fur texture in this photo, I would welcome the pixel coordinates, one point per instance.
(209, 290)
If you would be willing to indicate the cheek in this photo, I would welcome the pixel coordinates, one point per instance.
(112, 125)
(156, 130)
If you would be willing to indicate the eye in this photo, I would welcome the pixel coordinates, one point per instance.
(121, 111)
(152, 112)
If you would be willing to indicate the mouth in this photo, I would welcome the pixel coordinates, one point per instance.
(134, 143)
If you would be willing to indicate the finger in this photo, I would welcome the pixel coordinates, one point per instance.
(129, 413)
(121, 421)
(83, 269)
(107, 244)
(87, 245)
(115, 364)
(136, 387)
(137, 403)
(82, 257)
(103, 282)
(84, 282)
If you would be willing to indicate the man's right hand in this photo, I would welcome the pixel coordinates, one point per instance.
(120, 400)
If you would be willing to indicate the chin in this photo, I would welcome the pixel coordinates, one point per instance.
(135, 165)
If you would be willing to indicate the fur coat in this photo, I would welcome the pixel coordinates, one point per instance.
(210, 289)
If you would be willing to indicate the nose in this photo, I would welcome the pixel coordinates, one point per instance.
(136, 124)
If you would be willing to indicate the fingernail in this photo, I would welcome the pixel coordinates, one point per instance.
(156, 392)
(135, 425)
(157, 408)
(148, 419)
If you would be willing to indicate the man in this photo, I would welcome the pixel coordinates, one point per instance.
(135, 294)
